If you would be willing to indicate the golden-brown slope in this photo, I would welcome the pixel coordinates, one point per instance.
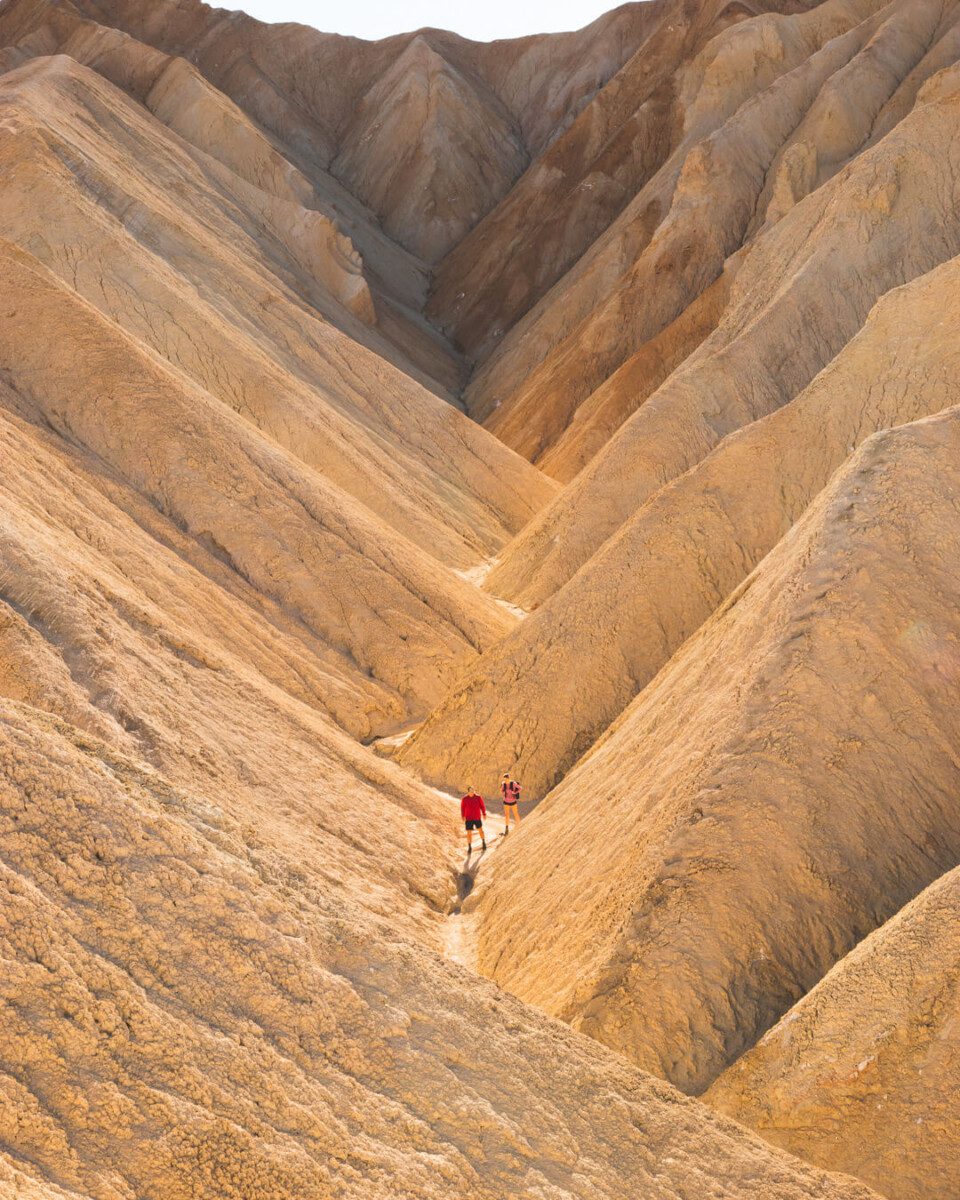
(207, 282)
(738, 100)
(176, 92)
(199, 574)
(192, 997)
(538, 699)
(466, 144)
(580, 183)
(863, 1073)
(187, 1011)
(781, 788)
(115, 618)
(398, 624)
(304, 87)
(801, 292)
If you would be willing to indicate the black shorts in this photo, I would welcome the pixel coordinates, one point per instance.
(476, 824)
(510, 803)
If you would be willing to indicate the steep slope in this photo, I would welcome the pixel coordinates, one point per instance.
(701, 261)
(187, 1011)
(861, 1075)
(599, 417)
(232, 312)
(321, 102)
(738, 99)
(180, 96)
(395, 154)
(114, 618)
(397, 623)
(582, 181)
(304, 88)
(801, 292)
(780, 789)
(539, 698)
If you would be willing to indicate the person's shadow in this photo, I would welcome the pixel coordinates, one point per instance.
(467, 875)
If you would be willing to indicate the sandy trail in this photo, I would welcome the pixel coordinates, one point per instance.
(478, 576)
(458, 940)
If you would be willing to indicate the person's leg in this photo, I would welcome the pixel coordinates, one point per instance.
(506, 819)
(516, 813)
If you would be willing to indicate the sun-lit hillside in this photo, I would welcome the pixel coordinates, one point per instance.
(381, 417)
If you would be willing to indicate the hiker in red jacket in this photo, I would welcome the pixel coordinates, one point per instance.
(510, 790)
(473, 810)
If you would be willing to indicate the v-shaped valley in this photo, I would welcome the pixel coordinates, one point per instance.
(381, 417)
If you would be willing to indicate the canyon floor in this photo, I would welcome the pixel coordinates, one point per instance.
(378, 417)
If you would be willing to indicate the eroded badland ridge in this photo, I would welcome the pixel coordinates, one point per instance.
(377, 417)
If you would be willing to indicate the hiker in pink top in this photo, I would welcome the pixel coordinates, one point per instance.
(510, 790)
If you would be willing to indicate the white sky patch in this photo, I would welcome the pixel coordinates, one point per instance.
(482, 20)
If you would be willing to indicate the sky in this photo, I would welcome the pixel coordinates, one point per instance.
(482, 20)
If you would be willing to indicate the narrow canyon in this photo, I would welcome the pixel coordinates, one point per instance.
(377, 418)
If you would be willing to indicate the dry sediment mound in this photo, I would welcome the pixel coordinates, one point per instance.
(733, 106)
(417, 185)
(803, 290)
(389, 613)
(373, 278)
(862, 1074)
(326, 99)
(696, 255)
(192, 996)
(117, 620)
(581, 182)
(187, 1010)
(784, 785)
(200, 347)
(540, 697)
(203, 284)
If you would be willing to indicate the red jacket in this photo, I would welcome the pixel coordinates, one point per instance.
(472, 807)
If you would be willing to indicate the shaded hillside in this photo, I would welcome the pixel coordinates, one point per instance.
(801, 293)
(321, 96)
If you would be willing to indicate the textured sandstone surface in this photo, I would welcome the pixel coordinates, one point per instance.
(862, 1074)
(599, 640)
(783, 786)
(278, 524)
(204, 1017)
(586, 177)
(579, 405)
(819, 268)
(121, 623)
(356, 112)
